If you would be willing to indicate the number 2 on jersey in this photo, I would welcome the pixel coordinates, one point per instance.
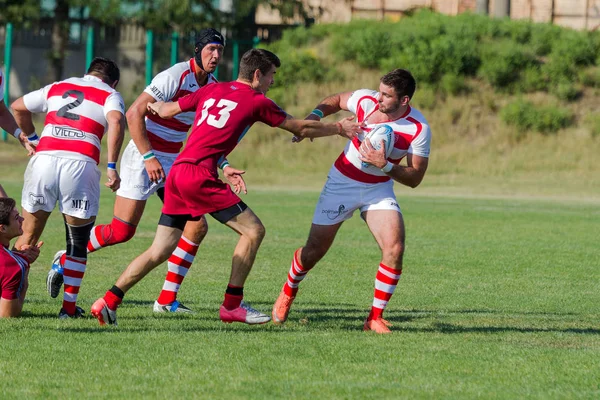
(225, 107)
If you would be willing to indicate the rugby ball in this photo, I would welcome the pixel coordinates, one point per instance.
(379, 133)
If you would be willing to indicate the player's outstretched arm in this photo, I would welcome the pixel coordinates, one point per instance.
(330, 105)
(116, 134)
(165, 110)
(313, 129)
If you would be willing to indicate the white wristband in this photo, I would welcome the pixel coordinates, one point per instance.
(17, 133)
(388, 167)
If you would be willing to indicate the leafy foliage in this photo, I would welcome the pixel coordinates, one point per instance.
(525, 115)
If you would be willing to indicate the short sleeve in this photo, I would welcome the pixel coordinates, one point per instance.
(268, 112)
(12, 282)
(37, 101)
(163, 87)
(114, 102)
(420, 146)
(190, 101)
(362, 102)
(1, 86)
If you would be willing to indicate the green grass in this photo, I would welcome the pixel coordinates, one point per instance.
(499, 299)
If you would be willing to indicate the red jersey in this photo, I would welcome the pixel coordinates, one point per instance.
(224, 113)
(13, 268)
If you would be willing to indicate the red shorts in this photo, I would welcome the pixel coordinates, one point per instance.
(196, 190)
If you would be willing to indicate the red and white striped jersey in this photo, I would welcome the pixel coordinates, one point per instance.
(167, 135)
(411, 132)
(1, 86)
(76, 116)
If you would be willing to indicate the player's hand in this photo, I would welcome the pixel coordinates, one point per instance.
(155, 170)
(114, 180)
(154, 108)
(29, 146)
(350, 128)
(31, 253)
(234, 176)
(368, 154)
(309, 117)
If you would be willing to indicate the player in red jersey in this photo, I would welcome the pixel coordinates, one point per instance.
(79, 111)
(14, 265)
(362, 179)
(148, 158)
(225, 112)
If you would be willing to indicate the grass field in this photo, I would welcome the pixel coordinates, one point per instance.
(499, 299)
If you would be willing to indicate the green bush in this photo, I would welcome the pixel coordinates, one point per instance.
(451, 84)
(302, 66)
(590, 77)
(502, 62)
(525, 115)
(532, 80)
(565, 91)
(542, 37)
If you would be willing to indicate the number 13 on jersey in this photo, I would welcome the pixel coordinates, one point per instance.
(224, 107)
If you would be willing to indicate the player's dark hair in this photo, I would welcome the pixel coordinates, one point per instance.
(402, 81)
(254, 59)
(6, 206)
(105, 69)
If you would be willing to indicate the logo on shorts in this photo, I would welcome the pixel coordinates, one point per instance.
(36, 199)
(67, 133)
(394, 204)
(80, 204)
(333, 214)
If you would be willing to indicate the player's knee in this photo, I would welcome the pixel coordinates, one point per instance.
(198, 231)
(77, 239)
(393, 254)
(257, 233)
(120, 231)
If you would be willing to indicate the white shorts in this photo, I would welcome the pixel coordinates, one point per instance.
(74, 184)
(135, 183)
(341, 196)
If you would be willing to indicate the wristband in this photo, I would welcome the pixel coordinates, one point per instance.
(149, 155)
(33, 137)
(17, 133)
(388, 167)
(224, 164)
(318, 113)
(111, 165)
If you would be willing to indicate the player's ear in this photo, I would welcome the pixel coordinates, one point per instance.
(114, 84)
(404, 100)
(257, 75)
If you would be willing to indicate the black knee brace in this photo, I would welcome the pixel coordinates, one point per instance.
(77, 239)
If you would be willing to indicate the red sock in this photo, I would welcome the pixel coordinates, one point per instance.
(295, 275)
(108, 235)
(112, 300)
(233, 297)
(385, 283)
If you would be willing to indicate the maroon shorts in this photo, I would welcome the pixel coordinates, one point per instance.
(196, 190)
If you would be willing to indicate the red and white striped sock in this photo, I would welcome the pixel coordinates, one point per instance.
(74, 269)
(179, 263)
(295, 276)
(385, 283)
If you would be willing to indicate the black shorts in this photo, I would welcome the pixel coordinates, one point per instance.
(223, 216)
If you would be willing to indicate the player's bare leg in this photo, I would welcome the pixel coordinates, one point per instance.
(387, 227)
(127, 214)
(305, 258)
(252, 232)
(165, 241)
(33, 226)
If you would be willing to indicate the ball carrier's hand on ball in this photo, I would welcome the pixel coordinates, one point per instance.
(372, 156)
